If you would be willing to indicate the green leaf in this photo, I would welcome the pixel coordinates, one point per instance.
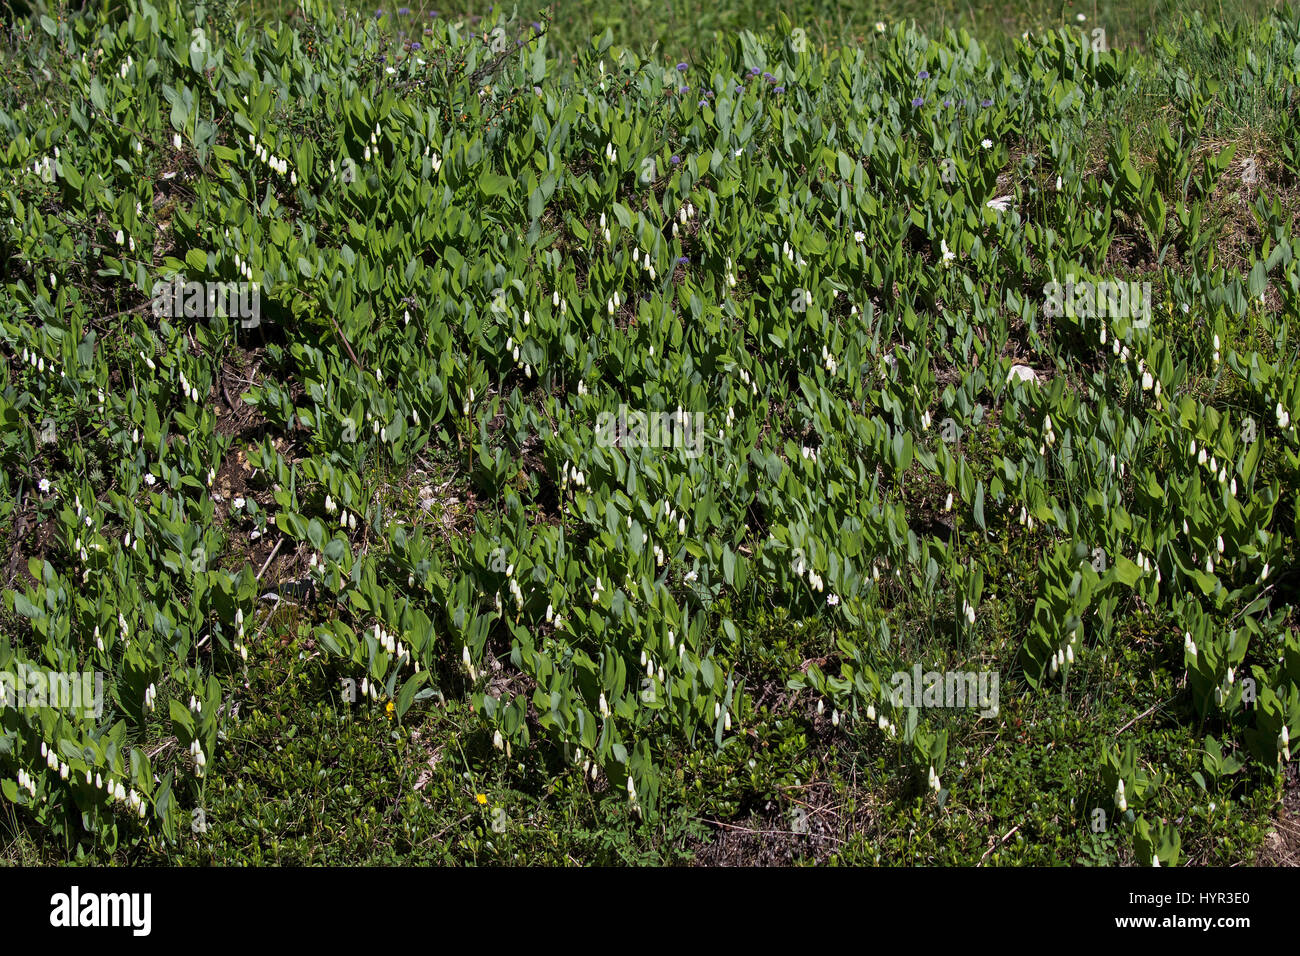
(1258, 280)
(182, 721)
(408, 692)
(492, 184)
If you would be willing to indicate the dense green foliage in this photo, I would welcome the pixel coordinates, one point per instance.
(318, 550)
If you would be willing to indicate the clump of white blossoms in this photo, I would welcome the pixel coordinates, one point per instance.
(1065, 653)
(1121, 802)
(631, 795)
(26, 782)
(276, 163)
(434, 159)
(189, 391)
(1026, 519)
(788, 251)
(569, 472)
(200, 758)
(240, 649)
(1145, 564)
(242, 267)
(515, 591)
(46, 169)
(828, 361)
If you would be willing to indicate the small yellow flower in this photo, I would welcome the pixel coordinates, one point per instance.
(390, 709)
(481, 798)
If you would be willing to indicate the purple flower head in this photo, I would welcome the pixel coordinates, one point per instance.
(379, 14)
(919, 101)
(709, 94)
(754, 72)
(947, 103)
(740, 88)
(986, 103)
(536, 26)
(383, 58)
(681, 67)
(767, 76)
(675, 159)
(403, 11)
(683, 261)
(684, 89)
(778, 89)
(923, 75)
(703, 103)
